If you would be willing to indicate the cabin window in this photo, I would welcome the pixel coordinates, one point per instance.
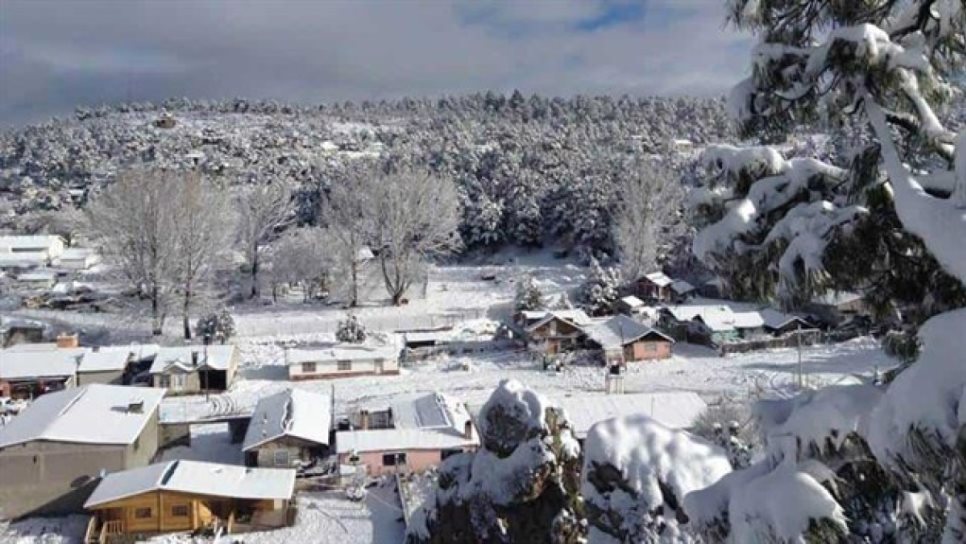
(650, 347)
(393, 459)
(281, 458)
(179, 511)
(308, 368)
(344, 366)
(142, 513)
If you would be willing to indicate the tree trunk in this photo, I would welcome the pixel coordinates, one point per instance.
(255, 292)
(157, 321)
(354, 288)
(184, 315)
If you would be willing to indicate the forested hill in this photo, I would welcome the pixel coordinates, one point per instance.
(527, 167)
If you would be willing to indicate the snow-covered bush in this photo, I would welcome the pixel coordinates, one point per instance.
(635, 475)
(520, 486)
(601, 289)
(528, 296)
(351, 330)
(219, 325)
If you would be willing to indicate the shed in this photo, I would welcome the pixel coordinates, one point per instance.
(653, 286)
(192, 369)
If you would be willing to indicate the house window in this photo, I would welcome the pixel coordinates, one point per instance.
(281, 458)
(344, 366)
(393, 459)
(308, 368)
(179, 511)
(650, 347)
(142, 513)
(163, 381)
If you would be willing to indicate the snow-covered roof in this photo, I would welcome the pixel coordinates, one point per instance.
(342, 352)
(38, 242)
(400, 439)
(775, 320)
(576, 317)
(23, 259)
(76, 253)
(429, 336)
(103, 361)
(218, 357)
(196, 478)
(717, 317)
(138, 352)
(40, 275)
(92, 414)
(423, 421)
(659, 278)
(293, 412)
(16, 364)
(632, 301)
(673, 409)
(620, 330)
(681, 287)
(835, 299)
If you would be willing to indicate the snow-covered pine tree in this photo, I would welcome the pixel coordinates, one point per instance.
(601, 289)
(528, 297)
(218, 326)
(884, 66)
(351, 330)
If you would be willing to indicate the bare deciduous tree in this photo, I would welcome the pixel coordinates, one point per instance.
(348, 213)
(202, 225)
(415, 218)
(131, 224)
(649, 216)
(262, 211)
(302, 256)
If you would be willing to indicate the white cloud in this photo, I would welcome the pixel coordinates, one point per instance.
(92, 52)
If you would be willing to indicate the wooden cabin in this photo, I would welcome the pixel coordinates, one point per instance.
(556, 331)
(622, 339)
(184, 495)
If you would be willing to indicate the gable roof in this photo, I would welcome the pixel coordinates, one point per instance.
(196, 478)
(293, 412)
(92, 414)
(219, 357)
(620, 330)
(576, 317)
(674, 409)
(774, 319)
(681, 287)
(632, 301)
(18, 363)
(103, 361)
(659, 278)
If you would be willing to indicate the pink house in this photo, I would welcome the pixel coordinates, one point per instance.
(412, 435)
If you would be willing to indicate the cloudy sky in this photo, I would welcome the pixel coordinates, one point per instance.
(55, 55)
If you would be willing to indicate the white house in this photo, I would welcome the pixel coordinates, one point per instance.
(42, 279)
(341, 360)
(44, 247)
(193, 369)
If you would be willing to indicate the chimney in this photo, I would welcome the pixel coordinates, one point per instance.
(468, 429)
(65, 340)
(364, 419)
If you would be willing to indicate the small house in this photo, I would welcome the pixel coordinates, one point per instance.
(39, 248)
(654, 286)
(53, 452)
(194, 369)
(78, 258)
(412, 435)
(30, 370)
(555, 331)
(673, 409)
(427, 338)
(288, 429)
(713, 324)
(630, 305)
(681, 291)
(341, 361)
(621, 339)
(779, 323)
(98, 366)
(181, 495)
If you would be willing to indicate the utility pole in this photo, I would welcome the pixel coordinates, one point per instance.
(801, 374)
(206, 367)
